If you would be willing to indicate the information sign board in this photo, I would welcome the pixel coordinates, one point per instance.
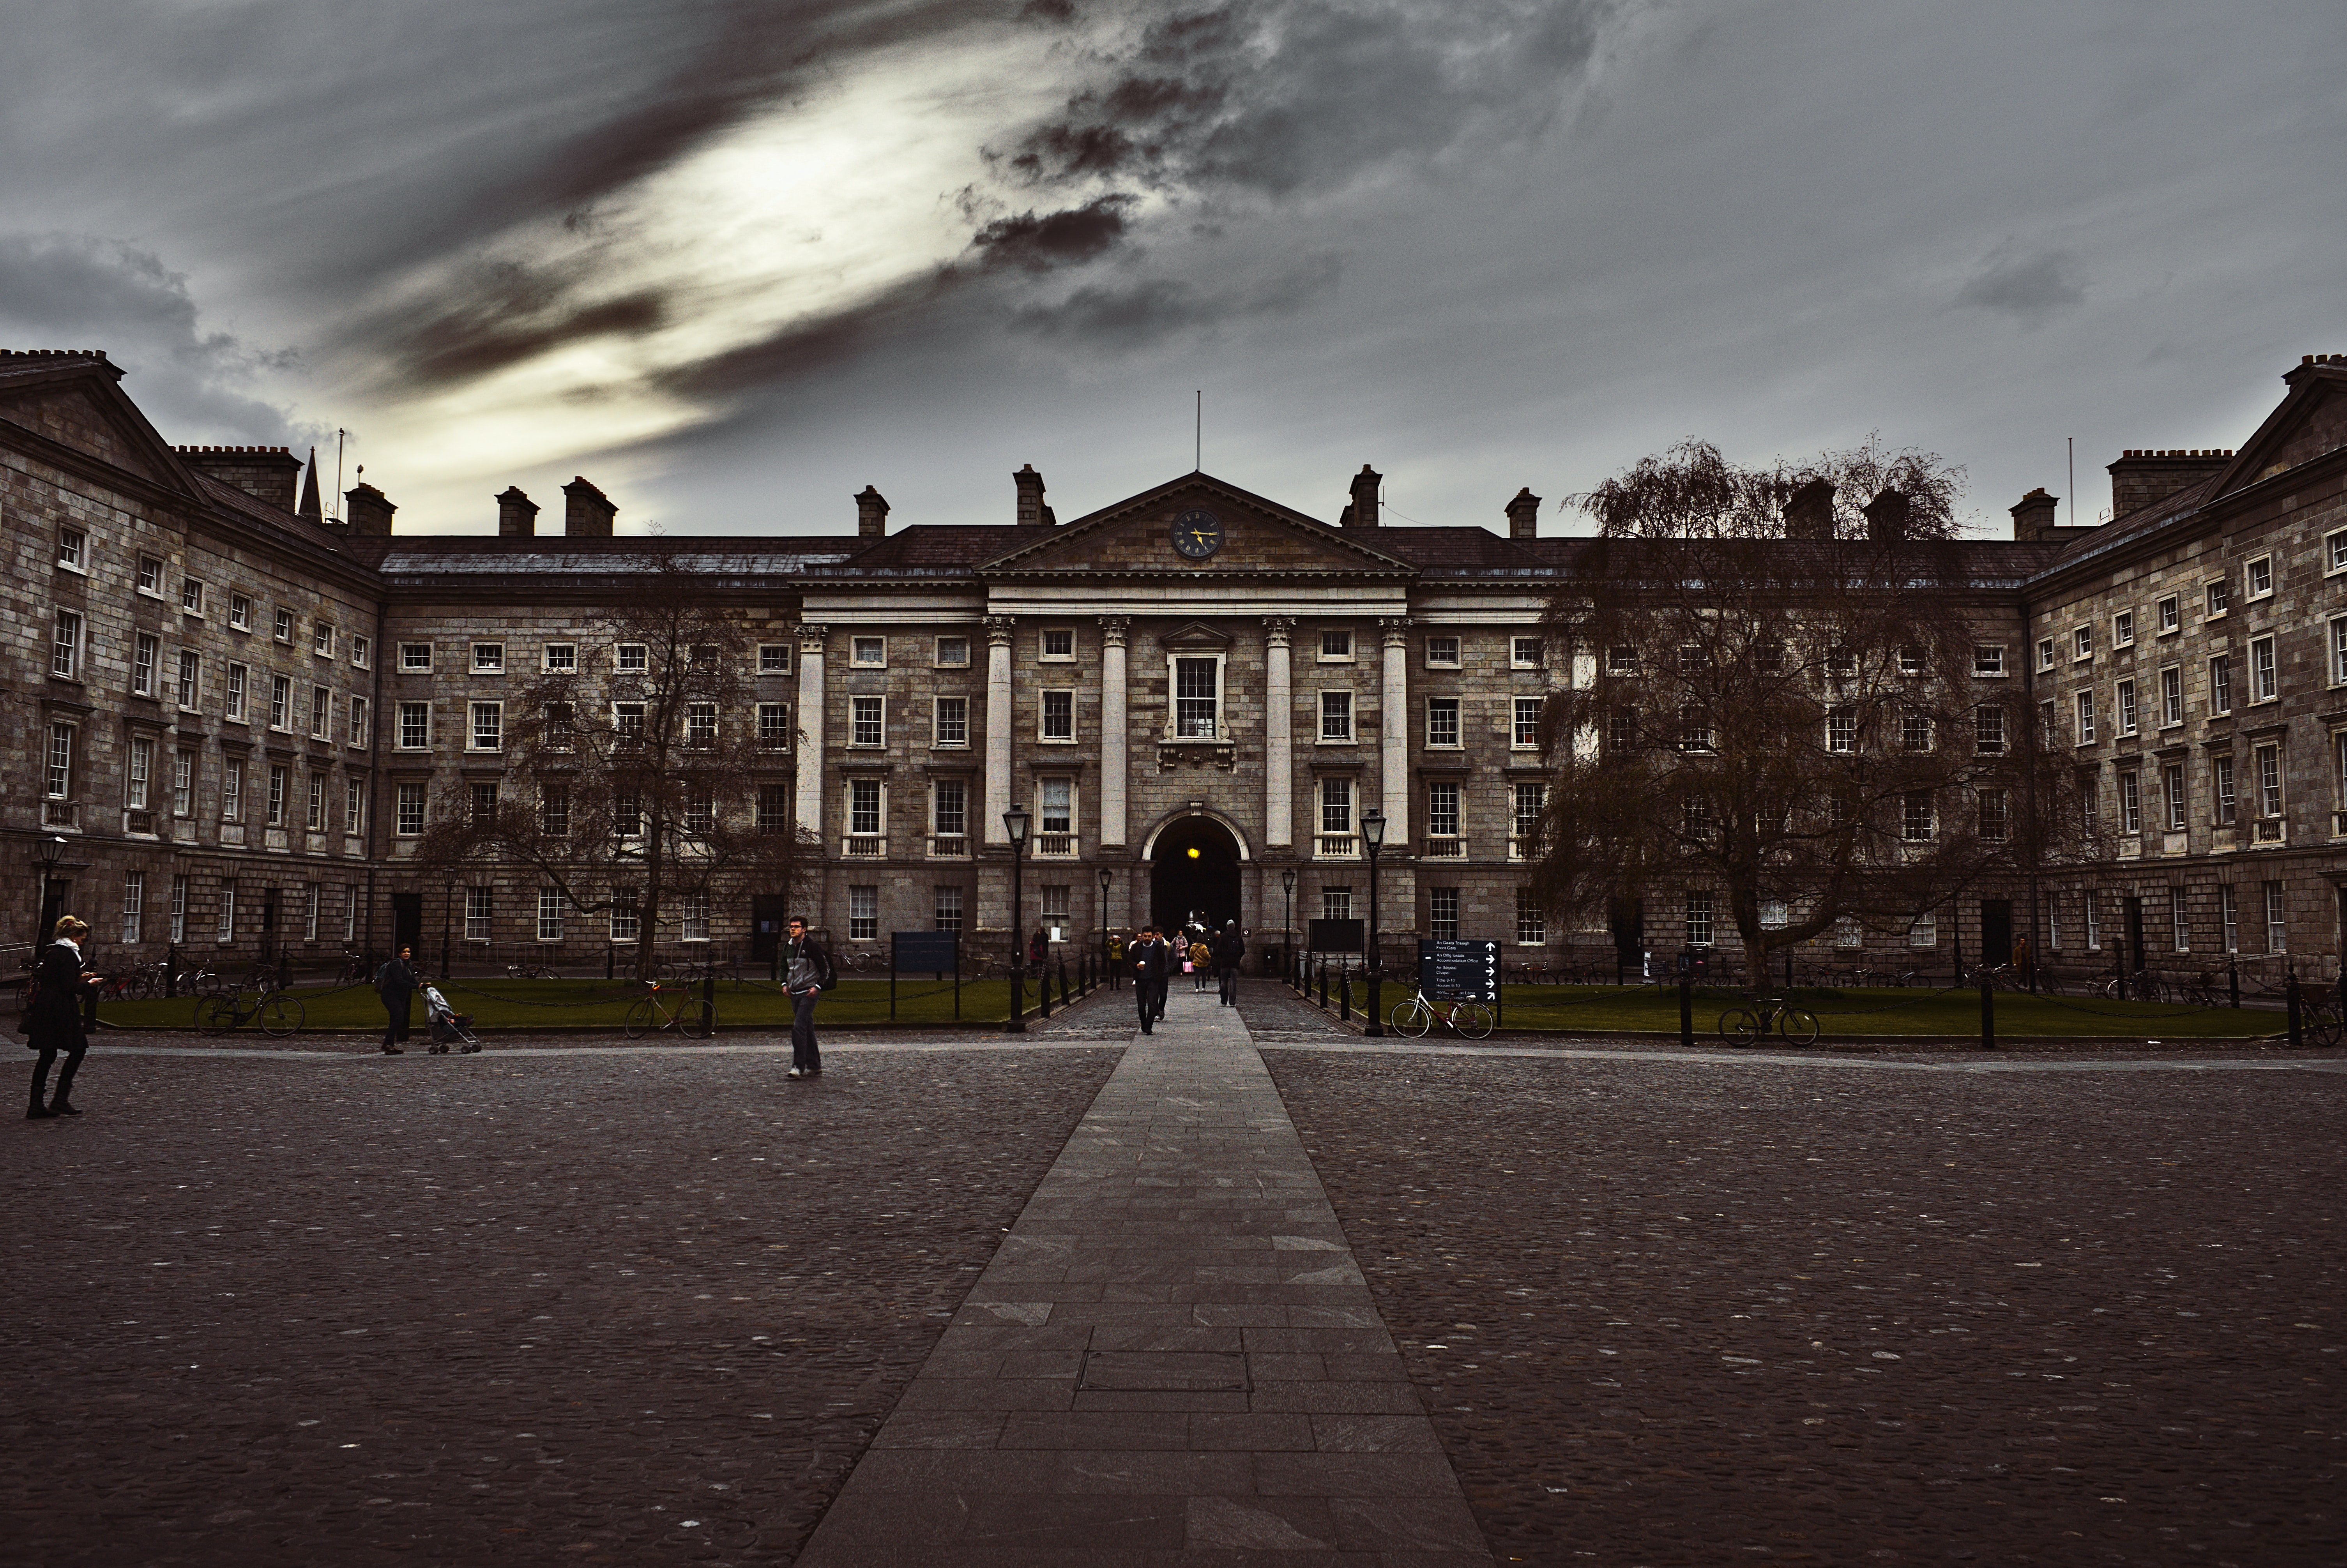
(935, 952)
(1336, 936)
(1456, 969)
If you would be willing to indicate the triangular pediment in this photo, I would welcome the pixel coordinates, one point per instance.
(1255, 537)
(2307, 423)
(1197, 635)
(79, 405)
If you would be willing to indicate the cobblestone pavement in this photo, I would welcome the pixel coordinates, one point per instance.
(567, 1307)
(1674, 1311)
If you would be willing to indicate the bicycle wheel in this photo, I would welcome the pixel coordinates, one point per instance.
(1472, 1020)
(1412, 1018)
(1798, 1026)
(217, 1014)
(281, 1015)
(697, 1019)
(641, 1017)
(1739, 1026)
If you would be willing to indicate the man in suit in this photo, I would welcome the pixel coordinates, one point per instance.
(394, 983)
(1149, 957)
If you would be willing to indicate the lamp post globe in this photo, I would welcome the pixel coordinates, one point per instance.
(1373, 836)
(1015, 823)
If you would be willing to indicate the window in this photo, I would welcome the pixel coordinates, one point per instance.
(480, 913)
(2130, 804)
(144, 648)
(866, 725)
(350, 913)
(864, 807)
(1621, 732)
(2220, 685)
(2122, 628)
(282, 627)
(1524, 736)
(868, 653)
(354, 802)
(1058, 716)
(1917, 820)
(774, 658)
(953, 654)
(139, 784)
(1532, 920)
(550, 914)
(1058, 644)
(1988, 661)
(2257, 576)
(191, 596)
(179, 908)
(1693, 658)
(358, 709)
(2171, 617)
(2268, 761)
(1995, 815)
(150, 575)
(862, 914)
(277, 782)
(2334, 552)
(239, 611)
(281, 702)
(1841, 663)
(2045, 654)
(2339, 652)
(1622, 659)
(1442, 809)
(64, 645)
(2171, 780)
(361, 649)
(2229, 915)
(1988, 731)
(73, 549)
(1694, 819)
(700, 726)
(1916, 731)
(625, 924)
(2046, 722)
(627, 725)
(2264, 684)
(322, 713)
(1530, 800)
(1924, 931)
(774, 809)
(693, 916)
(2126, 708)
(191, 665)
(232, 792)
(1336, 715)
(2082, 643)
(562, 657)
(232, 705)
(313, 816)
(224, 917)
(1442, 722)
(183, 782)
(700, 811)
(1336, 644)
(2171, 697)
(2276, 928)
(946, 908)
(321, 639)
(949, 722)
(481, 798)
(1695, 730)
(488, 658)
(1524, 652)
(414, 726)
(2219, 597)
(1698, 920)
(949, 808)
(2086, 718)
(407, 810)
(773, 726)
(1056, 919)
(1842, 728)
(1911, 662)
(1442, 653)
(554, 811)
(1442, 914)
(415, 657)
(1198, 699)
(2220, 769)
(1336, 903)
(1336, 805)
(702, 656)
(1849, 931)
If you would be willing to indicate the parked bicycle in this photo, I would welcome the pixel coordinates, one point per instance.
(528, 970)
(279, 1013)
(671, 1006)
(1751, 1025)
(1417, 1015)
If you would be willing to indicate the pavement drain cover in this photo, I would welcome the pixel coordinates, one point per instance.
(1165, 1371)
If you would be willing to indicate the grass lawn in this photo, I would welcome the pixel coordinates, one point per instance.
(603, 1004)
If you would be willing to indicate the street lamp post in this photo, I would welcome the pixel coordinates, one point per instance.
(447, 917)
(1014, 823)
(1373, 834)
(1105, 877)
(1287, 920)
(46, 856)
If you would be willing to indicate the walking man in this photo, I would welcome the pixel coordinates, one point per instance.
(1149, 956)
(808, 971)
(394, 983)
(1230, 952)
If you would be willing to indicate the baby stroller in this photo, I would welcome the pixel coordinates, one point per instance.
(449, 1027)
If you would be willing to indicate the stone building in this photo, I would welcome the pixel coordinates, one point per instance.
(234, 710)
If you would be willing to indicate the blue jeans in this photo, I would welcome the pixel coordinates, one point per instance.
(805, 1056)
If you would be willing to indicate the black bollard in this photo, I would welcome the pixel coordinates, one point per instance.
(1687, 1010)
(1324, 983)
(2233, 978)
(610, 962)
(2296, 1015)
(1344, 995)
(1988, 1016)
(172, 971)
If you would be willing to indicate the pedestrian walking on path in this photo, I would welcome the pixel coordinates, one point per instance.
(1115, 961)
(394, 983)
(1230, 952)
(808, 972)
(53, 1023)
(1151, 960)
(1201, 958)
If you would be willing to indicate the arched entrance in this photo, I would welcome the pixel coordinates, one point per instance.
(1195, 870)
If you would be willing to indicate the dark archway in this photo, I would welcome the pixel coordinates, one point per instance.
(1195, 868)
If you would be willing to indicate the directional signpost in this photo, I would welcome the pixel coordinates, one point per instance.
(1466, 970)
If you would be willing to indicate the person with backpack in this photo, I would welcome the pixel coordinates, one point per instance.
(1230, 952)
(394, 982)
(806, 970)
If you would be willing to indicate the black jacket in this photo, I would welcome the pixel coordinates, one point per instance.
(812, 950)
(395, 979)
(1152, 960)
(1230, 952)
(54, 1021)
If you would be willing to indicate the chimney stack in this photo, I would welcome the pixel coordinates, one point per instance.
(1363, 512)
(1886, 518)
(1523, 515)
(2142, 477)
(516, 514)
(1032, 513)
(2033, 517)
(872, 513)
(586, 512)
(1808, 511)
(266, 472)
(368, 511)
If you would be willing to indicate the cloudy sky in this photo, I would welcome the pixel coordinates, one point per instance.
(735, 259)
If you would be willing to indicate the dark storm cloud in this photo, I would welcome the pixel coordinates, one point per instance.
(1039, 244)
(499, 314)
(1137, 315)
(2031, 286)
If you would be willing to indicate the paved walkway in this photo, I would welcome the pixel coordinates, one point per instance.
(1172, 1360)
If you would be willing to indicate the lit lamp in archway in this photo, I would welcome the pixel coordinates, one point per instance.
(1373, 834)
(1014, 826)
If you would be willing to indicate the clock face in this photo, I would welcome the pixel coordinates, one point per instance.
(1197, 533)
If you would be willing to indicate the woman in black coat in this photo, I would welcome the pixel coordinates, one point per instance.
(53, 1023)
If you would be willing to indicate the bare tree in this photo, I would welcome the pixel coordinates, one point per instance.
(647, 780)
(1781, 703)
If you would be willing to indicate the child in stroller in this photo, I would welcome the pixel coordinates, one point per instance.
(449, 1027)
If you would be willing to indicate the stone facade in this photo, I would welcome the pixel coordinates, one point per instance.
(1197, 693)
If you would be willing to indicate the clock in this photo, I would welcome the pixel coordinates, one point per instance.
(1197, 533)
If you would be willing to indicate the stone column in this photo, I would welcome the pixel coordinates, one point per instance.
(1278, 736)
(1115, 750)
(1394, 721)
(997, 725)
(807, 801)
